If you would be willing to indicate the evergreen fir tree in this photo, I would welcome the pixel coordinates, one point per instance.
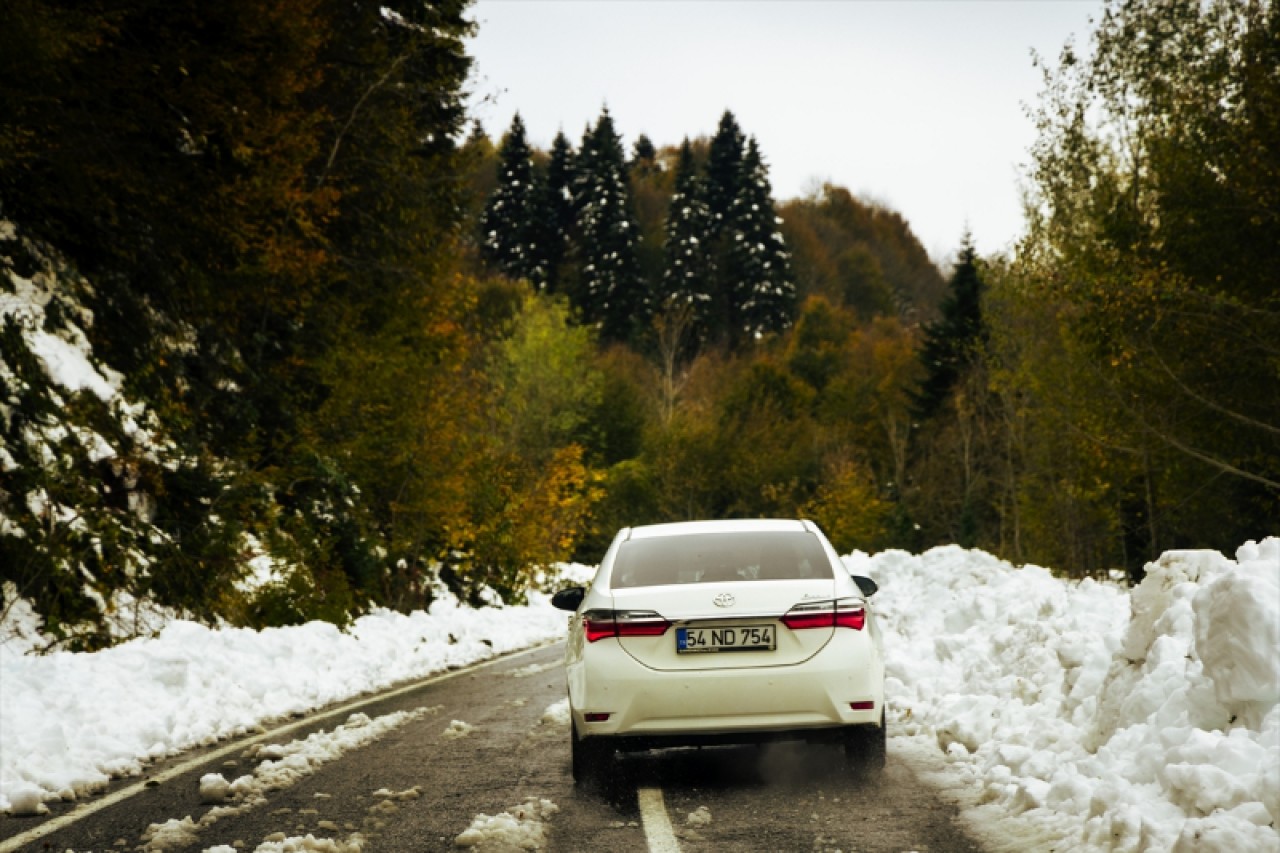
(953, 343)
(724, 169)
(644, 157)
(556, 220)
(689, 270)
(610, 293)
(720, 186)
(512, 219)
(763, 294)
(643, 150)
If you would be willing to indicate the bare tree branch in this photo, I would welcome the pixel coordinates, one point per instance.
(337, 143)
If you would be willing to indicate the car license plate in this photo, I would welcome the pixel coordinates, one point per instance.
(731, 638)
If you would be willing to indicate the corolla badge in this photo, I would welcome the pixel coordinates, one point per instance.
(724, 599)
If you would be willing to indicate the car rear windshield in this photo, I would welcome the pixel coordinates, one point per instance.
(720, 557)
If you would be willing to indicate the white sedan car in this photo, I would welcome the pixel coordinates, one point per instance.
(714, 632)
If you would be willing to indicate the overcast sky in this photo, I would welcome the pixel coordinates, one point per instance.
(919, 105)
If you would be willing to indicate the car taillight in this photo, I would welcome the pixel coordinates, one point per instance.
(826, 614)
(599, 624)
(851, 614)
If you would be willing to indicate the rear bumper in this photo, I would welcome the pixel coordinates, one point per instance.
(648, 707)
(635, 742)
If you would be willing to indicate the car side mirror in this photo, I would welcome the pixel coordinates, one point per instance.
(569, 598)
(866, 584)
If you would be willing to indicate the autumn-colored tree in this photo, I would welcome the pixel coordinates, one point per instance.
(861, 255)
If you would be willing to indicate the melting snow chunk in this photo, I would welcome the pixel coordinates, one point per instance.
(523, 827)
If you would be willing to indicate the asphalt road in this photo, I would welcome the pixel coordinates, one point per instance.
(480, 742)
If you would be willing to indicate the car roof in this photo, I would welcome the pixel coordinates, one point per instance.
(736, 525)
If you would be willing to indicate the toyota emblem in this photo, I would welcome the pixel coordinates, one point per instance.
(724, 599)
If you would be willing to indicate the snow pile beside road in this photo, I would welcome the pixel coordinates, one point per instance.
(1090, 718)
(71, 721)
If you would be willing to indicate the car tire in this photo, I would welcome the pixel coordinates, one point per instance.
(866, 749)
(589, 757)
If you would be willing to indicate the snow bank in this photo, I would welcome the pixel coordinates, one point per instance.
(70, 721)
(1095, 718)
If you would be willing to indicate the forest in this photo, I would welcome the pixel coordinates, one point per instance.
(391, 352)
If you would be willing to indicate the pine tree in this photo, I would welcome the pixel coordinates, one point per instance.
(610, 293)
(689, 269)
(952, 344)
(513, 218)
(763, 294)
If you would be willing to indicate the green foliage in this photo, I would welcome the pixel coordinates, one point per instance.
(298, 597)
(625, 410)
(954, 343)
(547, 384)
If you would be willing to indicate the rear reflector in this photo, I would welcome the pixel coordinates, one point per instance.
(596, 717)
(599, 624)
(857, 706)
(826, 614)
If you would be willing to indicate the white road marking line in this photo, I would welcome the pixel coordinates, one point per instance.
(84, 810)
(657, 826)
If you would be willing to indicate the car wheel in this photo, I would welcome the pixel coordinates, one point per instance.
(866, 749)
(590, 758)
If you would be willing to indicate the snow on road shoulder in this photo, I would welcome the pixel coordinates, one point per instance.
(1086, 717)
(69, 722)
